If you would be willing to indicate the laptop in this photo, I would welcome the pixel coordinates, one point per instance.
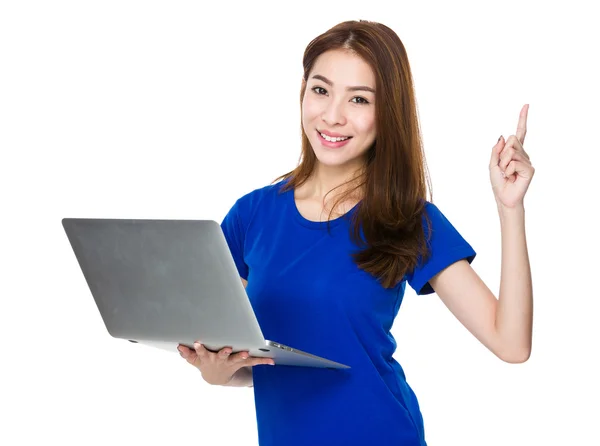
(167, 282)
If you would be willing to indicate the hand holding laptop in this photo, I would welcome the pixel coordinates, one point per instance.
(219, 368)
(166, 283)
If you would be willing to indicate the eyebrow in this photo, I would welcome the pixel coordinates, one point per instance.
(357, 88)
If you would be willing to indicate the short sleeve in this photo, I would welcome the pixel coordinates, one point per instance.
(235, 234)
(446, 245)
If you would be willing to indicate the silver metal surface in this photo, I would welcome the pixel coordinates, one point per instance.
(165, 282)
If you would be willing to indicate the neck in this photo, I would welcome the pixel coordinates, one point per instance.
(326, 178)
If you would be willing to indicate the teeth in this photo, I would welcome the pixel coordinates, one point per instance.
(330, 139)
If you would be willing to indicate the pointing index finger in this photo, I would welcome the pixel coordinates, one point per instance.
(522, 125)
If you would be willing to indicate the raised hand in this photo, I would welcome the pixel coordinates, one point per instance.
(511, 170)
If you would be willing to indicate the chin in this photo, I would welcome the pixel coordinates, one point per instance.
(333, 161)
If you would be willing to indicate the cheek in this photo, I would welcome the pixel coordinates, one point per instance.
(365, 124)
(310, 109)
(310, 113)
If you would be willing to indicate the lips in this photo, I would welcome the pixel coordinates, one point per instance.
(333, 144)
(333, 134)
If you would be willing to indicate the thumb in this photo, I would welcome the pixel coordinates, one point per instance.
(496, 150)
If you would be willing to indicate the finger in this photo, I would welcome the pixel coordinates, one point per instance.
(510, 155)
(513, 142)
(201, 351)
(496, 150)
(183, 350)
(260, 361)
(188, 354)
(511, 147)
(519, 169)
(239, 357)
(522, 125)
(224, 353)
(510, 171)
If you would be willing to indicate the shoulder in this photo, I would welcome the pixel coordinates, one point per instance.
(252, 207)
(434, 219)
(249, 203)
(440, 233)
(255, 196)
(432, 210)
(446, 245)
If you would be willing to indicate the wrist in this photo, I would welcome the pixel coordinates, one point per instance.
(505, 212)
(241, 378)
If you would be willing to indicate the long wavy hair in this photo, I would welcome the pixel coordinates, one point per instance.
(394, 183)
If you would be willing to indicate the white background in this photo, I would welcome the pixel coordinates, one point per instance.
(169, 109)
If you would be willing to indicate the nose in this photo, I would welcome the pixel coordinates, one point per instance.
(334, 114)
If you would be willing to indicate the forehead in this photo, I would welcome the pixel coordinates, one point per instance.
(344, 68)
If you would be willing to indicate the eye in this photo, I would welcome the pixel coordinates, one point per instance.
(322, 91)
(363, 100)
(316, 90)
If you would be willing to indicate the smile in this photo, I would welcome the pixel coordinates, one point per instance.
(334, 139)
(333, 142)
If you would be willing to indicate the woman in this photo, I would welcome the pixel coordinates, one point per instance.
(326, 253)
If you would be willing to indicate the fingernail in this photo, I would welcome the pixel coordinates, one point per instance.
(196, 345)
(499, 138)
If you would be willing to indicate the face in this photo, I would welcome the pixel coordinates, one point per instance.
(339, 101)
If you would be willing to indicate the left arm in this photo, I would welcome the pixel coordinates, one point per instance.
(503, 325)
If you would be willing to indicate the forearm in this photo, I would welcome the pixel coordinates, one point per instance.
(514, 316)
(241, 378)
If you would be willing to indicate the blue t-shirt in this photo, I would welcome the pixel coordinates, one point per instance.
(308, 293)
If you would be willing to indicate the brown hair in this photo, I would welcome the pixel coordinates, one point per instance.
(393, 184)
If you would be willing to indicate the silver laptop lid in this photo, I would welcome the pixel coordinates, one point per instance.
(164, 281)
